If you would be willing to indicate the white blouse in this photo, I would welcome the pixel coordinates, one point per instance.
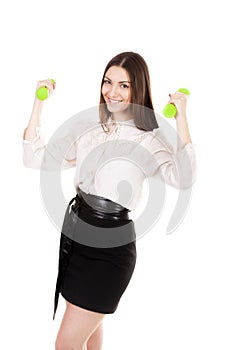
(114, 165)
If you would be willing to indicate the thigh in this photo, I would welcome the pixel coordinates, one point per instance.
(77, 326)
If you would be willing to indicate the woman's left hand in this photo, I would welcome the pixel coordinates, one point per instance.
(179, 99)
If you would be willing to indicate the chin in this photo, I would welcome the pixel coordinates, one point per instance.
(117, 108)
(114, 109)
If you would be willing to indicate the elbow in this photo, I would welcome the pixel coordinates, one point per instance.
(26, 162)
(30, 158)
(30, 163)
(181, 185)
(186, 185)
(183, 182)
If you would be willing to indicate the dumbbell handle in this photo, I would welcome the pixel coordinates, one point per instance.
(43, 92)
(170, 110)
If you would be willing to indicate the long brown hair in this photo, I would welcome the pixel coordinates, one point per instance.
(141, 100)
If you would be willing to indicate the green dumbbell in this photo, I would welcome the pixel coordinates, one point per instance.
(43, 92)
(170, 109)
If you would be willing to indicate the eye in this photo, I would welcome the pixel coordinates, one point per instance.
(125, 86)
(106, 81)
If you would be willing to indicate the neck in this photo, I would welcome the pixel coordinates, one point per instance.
(121, 116)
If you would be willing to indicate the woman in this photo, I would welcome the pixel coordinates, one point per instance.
(93, 273)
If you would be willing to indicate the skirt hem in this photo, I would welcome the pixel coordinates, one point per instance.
(86, 308)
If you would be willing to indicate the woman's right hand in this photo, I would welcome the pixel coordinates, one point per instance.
(48, 83)
(34, 122)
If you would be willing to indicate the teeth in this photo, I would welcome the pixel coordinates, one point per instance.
(114, 101)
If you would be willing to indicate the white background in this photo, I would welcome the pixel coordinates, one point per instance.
(180, 296)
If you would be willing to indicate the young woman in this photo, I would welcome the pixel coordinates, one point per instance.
(93, 275)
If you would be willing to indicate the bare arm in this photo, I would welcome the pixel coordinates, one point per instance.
(34, 121)
(35, 151)
(180, 100)
(177, 169)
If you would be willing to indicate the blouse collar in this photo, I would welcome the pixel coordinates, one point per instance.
(125, 122)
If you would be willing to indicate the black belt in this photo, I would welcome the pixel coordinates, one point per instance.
(96, 206)
(100, 207)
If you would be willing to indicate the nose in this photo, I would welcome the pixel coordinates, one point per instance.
(113, 91)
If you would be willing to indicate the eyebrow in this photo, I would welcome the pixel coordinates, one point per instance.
(120, 82)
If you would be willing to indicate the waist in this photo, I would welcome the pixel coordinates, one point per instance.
(99, 207)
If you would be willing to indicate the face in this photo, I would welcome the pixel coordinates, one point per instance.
(116, 89)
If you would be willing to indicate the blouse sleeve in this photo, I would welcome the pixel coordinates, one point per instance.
(59, 153)
(177, 169)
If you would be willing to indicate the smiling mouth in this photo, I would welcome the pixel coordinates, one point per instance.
(114, 101)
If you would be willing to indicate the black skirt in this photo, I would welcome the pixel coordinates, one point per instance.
(97, 253)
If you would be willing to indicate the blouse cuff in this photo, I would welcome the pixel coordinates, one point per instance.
(37, 142)
(190, 147)
(37, 137)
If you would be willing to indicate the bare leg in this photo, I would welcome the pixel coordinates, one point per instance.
(77, 327)
(95, 341)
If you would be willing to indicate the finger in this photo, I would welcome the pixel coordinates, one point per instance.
(171, 100)
(46, 83)
(43, 83)
(50, 85)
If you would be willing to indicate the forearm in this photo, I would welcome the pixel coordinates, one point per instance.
(183, 134)
(34, 121)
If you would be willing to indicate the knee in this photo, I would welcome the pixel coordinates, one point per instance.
(64, 344)
(60, 345)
